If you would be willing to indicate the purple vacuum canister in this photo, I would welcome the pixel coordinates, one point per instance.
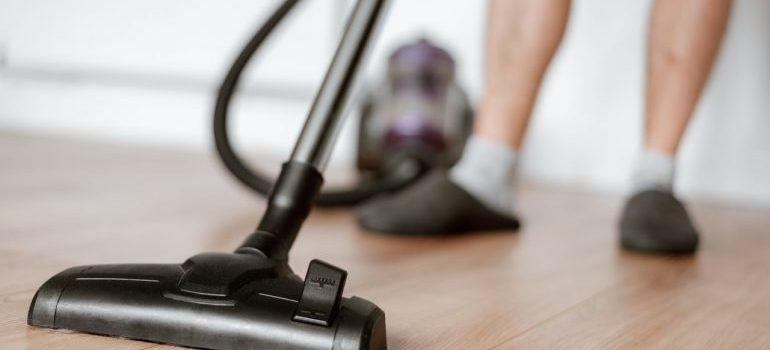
(419, 108)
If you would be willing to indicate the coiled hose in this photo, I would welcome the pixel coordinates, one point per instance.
(400, 173)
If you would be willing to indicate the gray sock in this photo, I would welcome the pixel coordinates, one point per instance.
(486, 171)
(654, 171)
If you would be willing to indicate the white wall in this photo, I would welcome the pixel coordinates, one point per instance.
(144, 72)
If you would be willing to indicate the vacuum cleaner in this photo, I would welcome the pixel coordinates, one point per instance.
(248, 299)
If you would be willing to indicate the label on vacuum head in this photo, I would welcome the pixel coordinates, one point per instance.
(322, 294)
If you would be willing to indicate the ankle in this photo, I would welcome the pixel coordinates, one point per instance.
(655, 170)
(486, 171)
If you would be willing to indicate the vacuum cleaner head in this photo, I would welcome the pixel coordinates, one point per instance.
(215, 301)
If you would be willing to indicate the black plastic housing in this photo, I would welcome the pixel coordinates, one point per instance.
(213, 300)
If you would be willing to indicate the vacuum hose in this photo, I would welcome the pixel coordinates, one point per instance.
(402, 172)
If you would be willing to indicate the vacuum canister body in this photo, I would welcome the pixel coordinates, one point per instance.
(418, 112)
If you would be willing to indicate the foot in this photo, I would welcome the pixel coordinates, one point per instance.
(656, 222)
(434, 205)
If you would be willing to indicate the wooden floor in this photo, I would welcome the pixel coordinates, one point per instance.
(559, 283)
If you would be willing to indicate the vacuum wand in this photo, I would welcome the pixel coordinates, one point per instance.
(300, 180)
(316, 141)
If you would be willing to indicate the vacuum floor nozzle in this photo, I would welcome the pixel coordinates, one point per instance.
(213, 301)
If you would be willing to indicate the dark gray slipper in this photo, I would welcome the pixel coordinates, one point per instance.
(431, 206)
(655, 221)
